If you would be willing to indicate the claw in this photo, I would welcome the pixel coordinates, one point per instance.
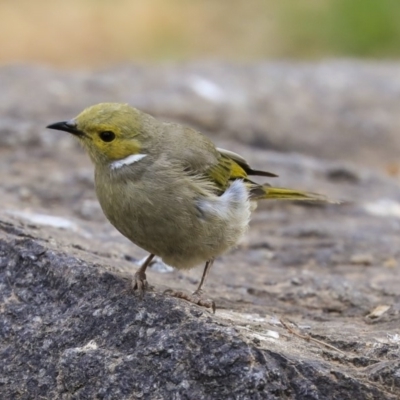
(139, 283)
(194, 298)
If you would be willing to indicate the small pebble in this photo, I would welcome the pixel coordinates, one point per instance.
(362, 259)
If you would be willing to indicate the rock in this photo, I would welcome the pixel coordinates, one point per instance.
(70, 329)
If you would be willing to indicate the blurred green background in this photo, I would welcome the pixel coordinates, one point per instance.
(101, 32)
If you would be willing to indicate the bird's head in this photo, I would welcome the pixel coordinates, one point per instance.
(109, 131)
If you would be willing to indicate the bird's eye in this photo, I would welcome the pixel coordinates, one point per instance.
(107, 136)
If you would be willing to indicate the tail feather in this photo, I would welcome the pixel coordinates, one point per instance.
(267, 192)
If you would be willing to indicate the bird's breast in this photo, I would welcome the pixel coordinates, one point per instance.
(174, 217)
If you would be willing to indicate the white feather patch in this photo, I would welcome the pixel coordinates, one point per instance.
(234, 203)
(127, 161)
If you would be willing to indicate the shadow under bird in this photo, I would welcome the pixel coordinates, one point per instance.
(168, 189)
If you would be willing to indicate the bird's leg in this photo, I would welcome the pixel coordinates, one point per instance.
(199, 291)
(195, 297)
(139, 281)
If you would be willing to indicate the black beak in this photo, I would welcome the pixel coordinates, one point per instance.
(67, 126)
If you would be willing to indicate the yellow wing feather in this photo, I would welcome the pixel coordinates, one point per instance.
(231, 166)
(225, 171)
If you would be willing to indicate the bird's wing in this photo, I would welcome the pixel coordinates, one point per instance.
(244, 164)
(199, 156)
(231, 166)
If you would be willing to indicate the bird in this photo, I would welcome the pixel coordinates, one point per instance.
(169, 189)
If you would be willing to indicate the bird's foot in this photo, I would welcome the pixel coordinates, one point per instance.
(195, 297)
(139, 283)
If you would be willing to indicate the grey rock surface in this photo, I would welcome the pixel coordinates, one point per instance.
(71, 330)
(69, 327)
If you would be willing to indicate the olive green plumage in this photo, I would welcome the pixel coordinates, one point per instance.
(166, 187)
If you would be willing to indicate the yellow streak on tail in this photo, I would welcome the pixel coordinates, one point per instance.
(289, 194)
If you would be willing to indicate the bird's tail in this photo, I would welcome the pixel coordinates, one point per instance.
(268, 192)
